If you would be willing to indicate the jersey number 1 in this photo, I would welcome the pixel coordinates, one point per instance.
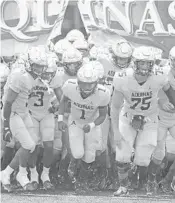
(82, 114)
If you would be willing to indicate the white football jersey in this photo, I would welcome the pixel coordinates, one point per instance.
(85, 110)
(163, 114)
(22, 83)
(40, 97)
(140, 99)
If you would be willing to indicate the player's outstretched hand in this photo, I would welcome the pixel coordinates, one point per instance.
(62, 126)
(7, 135)
(86, 128)
(168, 107)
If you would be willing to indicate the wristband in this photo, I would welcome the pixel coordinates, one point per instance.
(92, 125)
(60, 118)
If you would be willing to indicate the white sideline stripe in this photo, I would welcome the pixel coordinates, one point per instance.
(67, 196)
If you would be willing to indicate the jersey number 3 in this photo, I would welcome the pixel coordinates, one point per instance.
(40, 98)
(145, 102)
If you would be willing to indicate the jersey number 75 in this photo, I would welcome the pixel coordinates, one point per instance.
(144, 101)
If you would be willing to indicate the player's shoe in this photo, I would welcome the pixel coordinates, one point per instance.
(34, 180)
(23, 180)
(5, 180)
(47, 185)
(151, 187)
(165, 187)
(122, 191)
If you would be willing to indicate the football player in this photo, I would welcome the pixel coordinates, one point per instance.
(71, 62)
(49, 83)
(136, 90)
(89, 102)
(115, 58)
(16, 119)
(166, 129)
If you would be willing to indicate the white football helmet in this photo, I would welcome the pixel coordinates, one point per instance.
(88, 77)
(74, 35)
(144, 60)
(72, 60)
(82, 46)
(172, 57)
(99, 68)
(37, 57)
(61, 46)
(121, 53)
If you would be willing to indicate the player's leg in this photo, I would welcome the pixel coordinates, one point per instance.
(21, 133)
(145, 146)
(123, 155)
(47, 129)
(34, 177)
(9, 151)
(76, 143)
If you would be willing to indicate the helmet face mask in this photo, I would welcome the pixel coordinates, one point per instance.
(72, 68)
(144, 60)
(121, 62)
(143, 68)
(87, 89)
(48, 76)
(37, 69)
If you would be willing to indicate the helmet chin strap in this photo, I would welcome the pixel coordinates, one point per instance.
(47, 85)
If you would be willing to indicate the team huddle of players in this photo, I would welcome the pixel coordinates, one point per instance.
(77, 99)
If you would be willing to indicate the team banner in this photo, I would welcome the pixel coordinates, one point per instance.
(27, 22)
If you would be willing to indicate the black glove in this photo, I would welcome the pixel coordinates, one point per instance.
(138, 122)
(7, 135)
